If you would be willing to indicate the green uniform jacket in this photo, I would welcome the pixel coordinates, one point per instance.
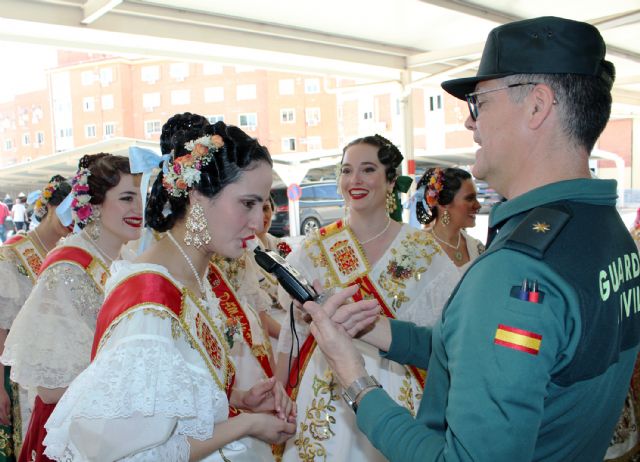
(517, 380)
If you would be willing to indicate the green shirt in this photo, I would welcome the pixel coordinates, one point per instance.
(510, 379)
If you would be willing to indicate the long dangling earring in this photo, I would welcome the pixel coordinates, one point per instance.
(94, 227)
(390, 204)
(197, 230)
(446, 218)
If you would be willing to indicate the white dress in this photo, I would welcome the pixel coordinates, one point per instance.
(414, 278)
(49, 343)
(19, 266)
(157, 379)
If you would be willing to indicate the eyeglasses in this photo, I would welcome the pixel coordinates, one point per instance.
(472, 98)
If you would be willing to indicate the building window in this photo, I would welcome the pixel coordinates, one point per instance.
(150, 101)
(249, 121)
(245, 92)
(435, 103)
(66, 132)
(288, 144)
(287, 116)
(240, 69)
(86, 78)
(179, 71)
(287, 86)
(213, 94)
(40, 138)
(152, 127)
(367, 115)
(312, 85)
(90, 131)
(109, 129)
(314, 143)
(106, 76)
(150, 74)
(8, 145)
(26, 139)
(107, 102)
(215, 118)
(312, 116)
(88, 104)
(179, 97)
(211, 69)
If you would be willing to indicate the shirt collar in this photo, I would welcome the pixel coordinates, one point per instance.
(592, 191)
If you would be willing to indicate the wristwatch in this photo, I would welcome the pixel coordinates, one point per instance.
(351, 394)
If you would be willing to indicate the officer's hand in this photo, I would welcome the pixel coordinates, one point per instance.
(334, 341)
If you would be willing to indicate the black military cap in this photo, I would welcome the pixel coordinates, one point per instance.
(546, 45)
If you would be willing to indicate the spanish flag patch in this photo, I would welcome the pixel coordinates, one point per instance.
(518, 339)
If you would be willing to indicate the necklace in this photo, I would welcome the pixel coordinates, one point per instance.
(104, 254)
(458, 254)
(44, 247)
(189, 262)
(379, 234)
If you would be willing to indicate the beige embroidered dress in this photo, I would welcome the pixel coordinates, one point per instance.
(159, 377)
(20, 260)
(414, 279)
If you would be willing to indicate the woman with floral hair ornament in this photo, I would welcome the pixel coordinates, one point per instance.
(49, 343)
(20, 259)
(401, 267)
(448, 203)
(161, 381)
(233, 280)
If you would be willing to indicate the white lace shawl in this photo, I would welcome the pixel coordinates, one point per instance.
(427, 292)
(50, 340)
(15, 286)
(146, 382)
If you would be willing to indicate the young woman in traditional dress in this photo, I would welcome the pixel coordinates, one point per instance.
(448, 203)
(20, 260)
(232, 280)
(160, 384)
(49, 343)
(402, 267)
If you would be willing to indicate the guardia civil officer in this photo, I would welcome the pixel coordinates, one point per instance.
(533, 354)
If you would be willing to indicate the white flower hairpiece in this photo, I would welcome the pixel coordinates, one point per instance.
(185, 171)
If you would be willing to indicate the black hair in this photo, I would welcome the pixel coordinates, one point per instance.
(106, 171)
(452, 182)
(239, 154)
(60, 193)
(388, 154)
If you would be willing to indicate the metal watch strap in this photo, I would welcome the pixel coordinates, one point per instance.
(350, 395)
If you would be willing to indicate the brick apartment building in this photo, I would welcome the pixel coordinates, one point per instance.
(92, 97)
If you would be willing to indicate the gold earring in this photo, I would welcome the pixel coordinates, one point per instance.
(94, 227)
(390, 204)
(446, 218)
(197, 227)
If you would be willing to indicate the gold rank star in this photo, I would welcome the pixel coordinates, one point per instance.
(541, 227)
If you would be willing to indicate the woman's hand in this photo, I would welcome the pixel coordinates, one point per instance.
(270, 429)
(269, 396)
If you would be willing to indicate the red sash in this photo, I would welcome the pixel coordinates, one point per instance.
(231, 307)
(72, 254)
(140, 288)
(14, 239)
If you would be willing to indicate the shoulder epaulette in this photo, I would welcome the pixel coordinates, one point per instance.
(537, 231)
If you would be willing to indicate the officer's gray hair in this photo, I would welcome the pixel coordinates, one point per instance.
(583, 102)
